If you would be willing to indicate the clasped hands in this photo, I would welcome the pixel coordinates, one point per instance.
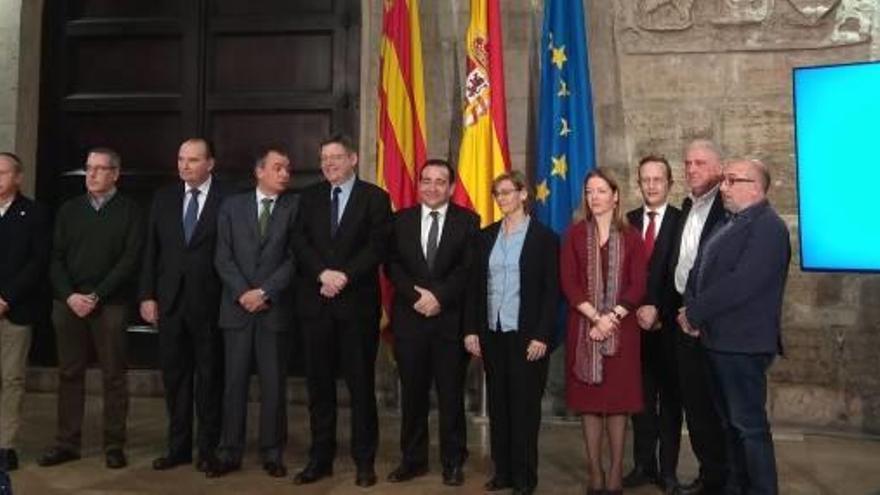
(427, 304)
(82, 304)
(602, 327)
(332, 283)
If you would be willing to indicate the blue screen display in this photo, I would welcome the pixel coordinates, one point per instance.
(837, 140)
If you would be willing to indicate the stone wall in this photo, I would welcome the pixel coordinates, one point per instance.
(665, 72)
(10, 11)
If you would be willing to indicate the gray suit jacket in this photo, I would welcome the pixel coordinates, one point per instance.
(244, 261)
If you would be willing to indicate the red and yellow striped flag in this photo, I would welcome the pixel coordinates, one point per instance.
(484, 152)
(402, 136)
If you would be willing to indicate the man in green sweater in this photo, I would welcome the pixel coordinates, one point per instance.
(96, 247)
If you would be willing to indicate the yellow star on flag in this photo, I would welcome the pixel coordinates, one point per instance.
(563, 89)
(560, 166)
(558, 57)
(542, 192)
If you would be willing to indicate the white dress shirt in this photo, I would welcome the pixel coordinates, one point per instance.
(426, 225)
(658, 219)
(690, 237)
(203, 196)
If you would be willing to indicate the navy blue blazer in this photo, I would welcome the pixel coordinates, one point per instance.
(734, 292)
(24, 257)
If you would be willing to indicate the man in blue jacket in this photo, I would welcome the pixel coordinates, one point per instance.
(733, 302)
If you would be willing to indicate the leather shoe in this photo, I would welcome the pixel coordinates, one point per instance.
(168, 462)
(275, 469)
(8, 460)
(520, 490)
(639, 476)
(221, 468)
(204, 463)
(366, 477)
(497, 483)
(453, 476)
(312, 473)
(55, 456)
(115, 459)
(406, 472)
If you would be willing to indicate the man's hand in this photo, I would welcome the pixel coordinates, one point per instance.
(536, 350)
(646, 316)
(685, 325)
(82, 304)
(150, 311)
(332, 282)
(472, 344)
(427, 305)
(253, 301)
(4, 307)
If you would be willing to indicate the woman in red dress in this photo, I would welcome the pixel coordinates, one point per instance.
(603, 272)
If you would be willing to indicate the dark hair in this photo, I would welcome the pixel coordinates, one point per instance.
(658, 159)
(115, 159)
(263, 153)
(439, 162)
(340, 139)
(209, 146)
(605, 173)
(16, 161)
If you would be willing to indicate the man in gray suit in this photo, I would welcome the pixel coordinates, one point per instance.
(255, 262)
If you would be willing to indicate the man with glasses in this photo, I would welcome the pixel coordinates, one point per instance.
(96, 248)
(24, 256)
(660, 422)
(733, 304)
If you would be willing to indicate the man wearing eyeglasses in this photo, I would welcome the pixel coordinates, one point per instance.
(700, 212)
(733, 304)
(96, 247)
(660, 422)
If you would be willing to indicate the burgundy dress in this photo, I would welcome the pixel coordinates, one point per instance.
(621, 389)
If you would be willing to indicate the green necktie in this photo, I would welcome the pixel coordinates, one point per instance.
(265, 212)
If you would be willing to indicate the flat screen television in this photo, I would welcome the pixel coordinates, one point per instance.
(837, 150)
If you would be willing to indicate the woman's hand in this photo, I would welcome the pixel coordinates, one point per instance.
(606, 324)
(536, 350)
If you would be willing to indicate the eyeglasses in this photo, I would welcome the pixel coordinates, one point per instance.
(98, 168)
(333, 158)
(504, 192)
(730, 180)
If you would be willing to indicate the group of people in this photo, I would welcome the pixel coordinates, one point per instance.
(668, 310)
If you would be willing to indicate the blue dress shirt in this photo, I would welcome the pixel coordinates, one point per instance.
(504, 278)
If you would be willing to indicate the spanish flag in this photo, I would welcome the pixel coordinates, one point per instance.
(484, 153)
(402, 136)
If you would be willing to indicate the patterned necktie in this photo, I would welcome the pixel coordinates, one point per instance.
(334, 211)
(265, 213)
(431, 247)
(650, 235)
(191, 214)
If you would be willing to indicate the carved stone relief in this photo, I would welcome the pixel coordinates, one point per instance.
(708, 26)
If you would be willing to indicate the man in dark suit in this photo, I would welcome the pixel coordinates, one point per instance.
(95, 253)
(180, 293)
(255, 261)
(24, 256)
(662, 416)
(340, 240)
(701, 210)
(432, 252)
(733, 304)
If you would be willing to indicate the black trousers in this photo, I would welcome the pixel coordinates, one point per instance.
(191, 357)
(333, 345)
(515, 389)
(660, 421)
(424, 359)
(704, 424)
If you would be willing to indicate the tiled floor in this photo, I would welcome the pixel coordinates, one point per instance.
(808, 464)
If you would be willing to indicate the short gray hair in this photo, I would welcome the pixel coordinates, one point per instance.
(705, 144)
(16, 161)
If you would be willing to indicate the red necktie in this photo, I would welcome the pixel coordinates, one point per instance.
(649, 234)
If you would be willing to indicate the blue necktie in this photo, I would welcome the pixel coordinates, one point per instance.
(191, 215)
(334, 211)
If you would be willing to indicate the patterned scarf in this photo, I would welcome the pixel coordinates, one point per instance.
(603, 296)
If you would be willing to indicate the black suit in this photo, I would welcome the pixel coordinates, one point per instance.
(516, 385)
(343, 330)
(181, 277)
(662, 415)
(430, 348)
(704, 425)
(24, 258)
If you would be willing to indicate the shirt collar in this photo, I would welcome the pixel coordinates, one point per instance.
(345, 186)
(99, 201)
(442, 210)
(261, 196)
(661, 210)
(705, 198)
(5, 206)
(203, 188)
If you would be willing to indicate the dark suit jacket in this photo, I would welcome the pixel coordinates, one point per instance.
(672, 300)
(24, 258)
(658, 275)
(735, 298)
(448, 280)
(357, 250)
(168, 260)
(539, 282)
(245, 261)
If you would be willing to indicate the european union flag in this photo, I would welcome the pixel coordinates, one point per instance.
(566, 150)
